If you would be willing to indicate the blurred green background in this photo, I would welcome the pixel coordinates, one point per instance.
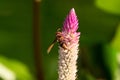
(99, 24)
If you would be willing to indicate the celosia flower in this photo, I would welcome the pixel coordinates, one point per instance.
(68, 53)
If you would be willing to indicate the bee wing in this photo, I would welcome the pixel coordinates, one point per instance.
(58, 29)
(51, 46)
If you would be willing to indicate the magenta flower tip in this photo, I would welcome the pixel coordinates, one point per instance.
(71, 22)
(73, 10)
(69, 29)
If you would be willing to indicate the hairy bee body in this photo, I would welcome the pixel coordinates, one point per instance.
(60, 39)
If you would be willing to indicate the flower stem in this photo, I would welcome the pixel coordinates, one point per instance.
(36, 35)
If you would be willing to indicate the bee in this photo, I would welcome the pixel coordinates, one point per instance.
(60, 39)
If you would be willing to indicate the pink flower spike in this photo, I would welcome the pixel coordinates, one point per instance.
(71, 22)
(68, 39)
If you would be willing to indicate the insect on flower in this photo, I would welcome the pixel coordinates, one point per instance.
(60, 39)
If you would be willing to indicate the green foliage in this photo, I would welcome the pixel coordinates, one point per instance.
(111, 52)
(110, 59)
(21, 71)
(111, 6)
(116, 40)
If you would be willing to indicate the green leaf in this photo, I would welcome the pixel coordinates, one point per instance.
(111, 55)
(116, 41)
(112, 6)
(20, 69)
